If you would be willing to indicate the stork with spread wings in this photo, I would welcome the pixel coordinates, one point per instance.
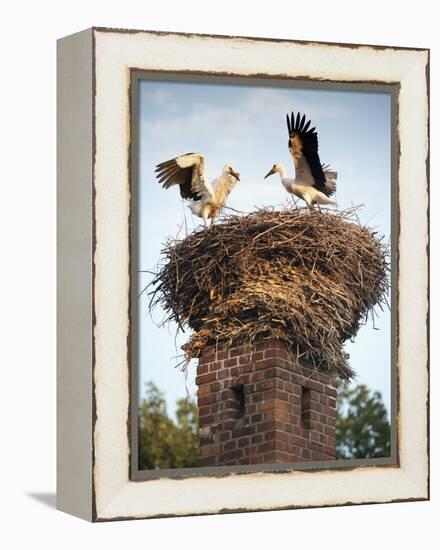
(314, 182)
(205, 199)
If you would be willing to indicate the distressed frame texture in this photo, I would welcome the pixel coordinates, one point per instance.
(95, 480)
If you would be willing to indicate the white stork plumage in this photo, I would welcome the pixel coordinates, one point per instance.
(188, 171)
(314, 182)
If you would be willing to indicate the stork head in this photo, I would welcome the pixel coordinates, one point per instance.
(227, 169)
(276, 168)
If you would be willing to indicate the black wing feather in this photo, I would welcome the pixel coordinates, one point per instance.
(169, 173)
(309, 141)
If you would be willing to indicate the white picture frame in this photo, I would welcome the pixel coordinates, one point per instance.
(94, 369)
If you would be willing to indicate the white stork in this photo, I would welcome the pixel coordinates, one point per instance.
(188, 171)
(314, 182)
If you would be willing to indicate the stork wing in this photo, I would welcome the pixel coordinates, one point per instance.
(187, 171)
(303, 146)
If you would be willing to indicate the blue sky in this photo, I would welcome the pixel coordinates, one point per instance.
(245, 126)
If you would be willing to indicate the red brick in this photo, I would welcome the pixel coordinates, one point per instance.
(283, 446)
(277, 353)
(204, 411)
(283, 395)
(225, 435)
(215, 365)
(299, 441)
(329, 411)
(277, 372)
(330, 421)
(232, 455)
(253, 449)
(317, 447)
(205, 420)
(267, 446)
(266, 384)
(236, 352)
(231, 404)
(222, 374)
(205, 450)
(283, 436)
(261, 346)
(329, 430)
(215, 386)
(244, 380)
(291, 388)
(229, 424)
(206, 354)
(204, 378)
(269, 457)
(256, 376)
(207, 399)
(230, 445)
(274, 343)
(269, 404)
(203, 390)
(202, 369)
(282, 415)
(331, 392)
(244, 430)
(269, 435)
(265, 426)
(234, 372)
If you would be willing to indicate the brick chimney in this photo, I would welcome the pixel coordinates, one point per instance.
(258, 404)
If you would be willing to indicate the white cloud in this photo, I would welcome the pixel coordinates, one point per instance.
(259, 110)
(158, 96)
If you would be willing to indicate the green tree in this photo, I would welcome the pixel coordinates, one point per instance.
(164, 443)
(362, 426)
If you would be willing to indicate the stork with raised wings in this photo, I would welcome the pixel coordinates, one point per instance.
(314, 182)
(188, 172)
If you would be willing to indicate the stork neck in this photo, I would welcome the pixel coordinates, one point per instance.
(229, 177)
(282, 172)
(232, 180)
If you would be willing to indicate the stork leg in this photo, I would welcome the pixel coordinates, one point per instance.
(205, 213)
(295, 204)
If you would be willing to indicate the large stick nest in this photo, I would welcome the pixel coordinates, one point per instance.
(310, 279)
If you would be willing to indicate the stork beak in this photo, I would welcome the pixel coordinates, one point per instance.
(271, 171)
(235, 174)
